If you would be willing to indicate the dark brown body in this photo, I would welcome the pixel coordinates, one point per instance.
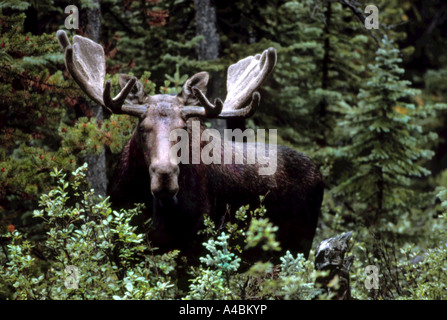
(293, 197)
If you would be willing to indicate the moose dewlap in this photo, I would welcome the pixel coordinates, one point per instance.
(211, 175)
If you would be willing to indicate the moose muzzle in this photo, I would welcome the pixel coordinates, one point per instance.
(164, 179)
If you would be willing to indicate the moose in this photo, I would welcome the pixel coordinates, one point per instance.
(179, 194)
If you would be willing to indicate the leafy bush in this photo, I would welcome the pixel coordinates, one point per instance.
(91, 251)
(102, 252)
(426, 272)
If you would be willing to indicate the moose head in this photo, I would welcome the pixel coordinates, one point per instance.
(160, 114)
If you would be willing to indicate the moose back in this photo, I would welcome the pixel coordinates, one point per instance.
(179, 193)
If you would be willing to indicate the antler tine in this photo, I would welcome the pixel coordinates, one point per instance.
(207, 109)
(211, 109)
(63, 39)
(115, 104)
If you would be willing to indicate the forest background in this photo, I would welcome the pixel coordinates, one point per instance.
(366, 104)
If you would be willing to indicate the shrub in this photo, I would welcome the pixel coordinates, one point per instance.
(91, 251)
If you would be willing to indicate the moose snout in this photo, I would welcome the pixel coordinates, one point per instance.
(164, 180)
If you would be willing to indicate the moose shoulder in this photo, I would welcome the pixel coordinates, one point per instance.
(180, 192)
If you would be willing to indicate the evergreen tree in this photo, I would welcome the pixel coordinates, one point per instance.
(387, 153)
(322, 48)
(386, 147)
(44, 123)
(32, 105)
(150, 36)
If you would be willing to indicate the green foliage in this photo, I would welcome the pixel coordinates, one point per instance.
(141, 26)
(82, 231)
(14, 4)
(425, 272)
(385, 157)
(91, 251)
(386, 144)
(221, 278)
(32, 108)
(213, 282)
(221, 259)
(297, 278)
(45, 122)
(262, 231)
(339, 93)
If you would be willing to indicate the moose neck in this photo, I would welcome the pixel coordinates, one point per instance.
(130, 177)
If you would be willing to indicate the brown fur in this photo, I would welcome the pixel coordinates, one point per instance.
(177, 196)
(294, 195)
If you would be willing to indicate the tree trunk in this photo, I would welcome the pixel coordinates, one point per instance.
(208, 49)
(96, 163)
(207, 27)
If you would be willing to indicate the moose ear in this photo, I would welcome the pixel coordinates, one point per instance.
(199, 80)
(136, 95)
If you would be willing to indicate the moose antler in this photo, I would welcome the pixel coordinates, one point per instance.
(244, 78)
(85, 60)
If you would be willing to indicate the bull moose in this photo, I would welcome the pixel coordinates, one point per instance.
(179, 194)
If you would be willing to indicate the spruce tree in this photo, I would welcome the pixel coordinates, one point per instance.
(32, 106)
(387, 153)
(43, 122)
(386, 147)
(322, 49)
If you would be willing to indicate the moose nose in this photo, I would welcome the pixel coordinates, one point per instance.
(164, 180)
(164, 170)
